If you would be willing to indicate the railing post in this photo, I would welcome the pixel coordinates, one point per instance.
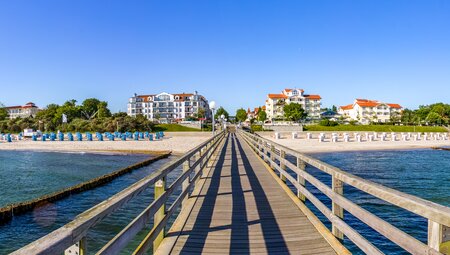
(282, 165)
(272, 155)
(301, 167)
(79, 248)
(439, 237)
(338, 187)
(185, 184)
(160, 187)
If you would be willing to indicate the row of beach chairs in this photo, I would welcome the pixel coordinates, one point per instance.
(371, 136)
(136, 136)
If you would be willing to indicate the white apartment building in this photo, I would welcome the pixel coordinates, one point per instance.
(22, 111)
(366, 111)
(275, 103)
(167, 107)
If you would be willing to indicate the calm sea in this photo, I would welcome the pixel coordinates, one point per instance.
(423, 173)
(25, 175)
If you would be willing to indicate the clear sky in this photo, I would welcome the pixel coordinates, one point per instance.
(233, 52)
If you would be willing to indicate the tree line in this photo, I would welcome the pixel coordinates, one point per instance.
(92, 115)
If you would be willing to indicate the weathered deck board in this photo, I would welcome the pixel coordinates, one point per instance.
(241, 209)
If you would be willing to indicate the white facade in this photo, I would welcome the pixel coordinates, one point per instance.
(168, 107)
(366, 111)
(275, 103)
(27, 110)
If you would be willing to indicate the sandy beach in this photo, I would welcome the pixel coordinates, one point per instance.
(314, 146)
(177, 142)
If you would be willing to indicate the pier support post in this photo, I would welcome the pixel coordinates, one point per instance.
(439, 237)
(338, 187)
(185, 184)
(160, 187)
(282, 165)
(301, 167)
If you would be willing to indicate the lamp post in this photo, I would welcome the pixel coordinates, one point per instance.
(212, 106)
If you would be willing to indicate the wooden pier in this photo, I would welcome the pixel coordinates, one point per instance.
(234, 200)
(241, 209)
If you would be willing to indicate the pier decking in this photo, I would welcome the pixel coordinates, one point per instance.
(241, 209)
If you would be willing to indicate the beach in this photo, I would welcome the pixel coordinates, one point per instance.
(314, 146)
(177, 142)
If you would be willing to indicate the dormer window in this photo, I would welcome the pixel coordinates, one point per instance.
(295, 93)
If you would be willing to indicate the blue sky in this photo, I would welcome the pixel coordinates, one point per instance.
(233, 52)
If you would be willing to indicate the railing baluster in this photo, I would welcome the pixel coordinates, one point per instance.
(160, 187)
(301, 165)
(282, 165)
(272, 156)
(79, 248)
(439, 237)
(338, 187)
(185, 184)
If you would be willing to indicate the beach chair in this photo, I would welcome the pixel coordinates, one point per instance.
(294, 135)
(346, 138)
(334, 138)
(150, 137)
(61, 136)
(277, 135)
(321, 137)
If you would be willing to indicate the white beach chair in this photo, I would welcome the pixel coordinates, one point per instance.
(346, 138)
(294, 135)
(321, 137)
(358, 138)
(277, 135)
(334, 138)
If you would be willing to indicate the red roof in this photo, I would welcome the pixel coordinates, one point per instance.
(397, 106)
(347, 107)
(277, 96)
(313, 97)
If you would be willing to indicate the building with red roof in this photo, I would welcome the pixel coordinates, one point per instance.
(366, 111)
(22, 111)
(275, 103)
(167, 108)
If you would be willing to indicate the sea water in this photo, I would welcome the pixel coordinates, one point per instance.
(26, 175)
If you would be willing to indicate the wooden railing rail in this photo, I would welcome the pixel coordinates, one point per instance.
(438, 215)
(71, 238)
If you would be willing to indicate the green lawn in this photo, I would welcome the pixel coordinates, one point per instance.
(375, 128)
(173, 128)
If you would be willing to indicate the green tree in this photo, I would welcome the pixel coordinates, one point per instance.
(241, 115)
(262, 115)
(103, 111)
(201, 113)
(3, 112)
(89, 107)
(221, 111)
(294, 112)
(434, 118)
